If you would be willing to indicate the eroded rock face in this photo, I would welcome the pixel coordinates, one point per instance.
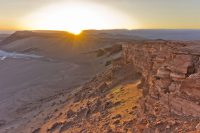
(170, 72)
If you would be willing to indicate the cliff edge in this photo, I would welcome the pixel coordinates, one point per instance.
(152, 88)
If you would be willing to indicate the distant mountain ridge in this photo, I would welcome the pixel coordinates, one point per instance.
(165, 34)
(119, 34)
(19, 35)
(26, 34)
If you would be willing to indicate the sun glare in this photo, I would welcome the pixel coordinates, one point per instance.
(75, 17)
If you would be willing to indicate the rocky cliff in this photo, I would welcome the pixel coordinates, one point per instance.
(153, 88)
(171, 74)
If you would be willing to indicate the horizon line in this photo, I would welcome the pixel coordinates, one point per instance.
(104, 29)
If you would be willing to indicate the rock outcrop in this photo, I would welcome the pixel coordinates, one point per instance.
(171, 74)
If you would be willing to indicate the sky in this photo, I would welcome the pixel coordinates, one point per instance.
(76, 15)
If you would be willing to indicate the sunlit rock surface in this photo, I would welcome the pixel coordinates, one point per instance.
(170, 72)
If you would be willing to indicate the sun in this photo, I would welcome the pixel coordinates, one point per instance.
(75, 17)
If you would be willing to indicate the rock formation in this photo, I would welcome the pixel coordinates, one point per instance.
(171, 74)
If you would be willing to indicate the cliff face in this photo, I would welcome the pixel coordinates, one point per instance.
(171, 74)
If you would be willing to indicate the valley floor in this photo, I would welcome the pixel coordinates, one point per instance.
(26, 83)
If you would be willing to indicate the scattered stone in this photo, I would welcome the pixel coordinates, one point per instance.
(107, 105)
(117, 103)
(47, 118)
(117, 116)
(159, 123)
(116, 122)
(55, 126)
(134, 107)
(37, 130)
(168, 126)
(60, 114)
(102, 87)
(83, 113)
(106, 125)
(83, 131)
(70, 113)
(109, 130)
(54, 103)
(128, 124)
(173, 122)
(96, 107)
(77, 97)
(198, 127)
(66, 126)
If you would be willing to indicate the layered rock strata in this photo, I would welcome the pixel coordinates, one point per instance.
(171, 74)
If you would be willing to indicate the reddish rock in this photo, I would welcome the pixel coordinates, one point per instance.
(174, 87)
(180, 63)
(163, 73)
(191, 86)
(177, 76)
(170, 73)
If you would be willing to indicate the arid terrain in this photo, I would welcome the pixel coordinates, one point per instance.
(98, 81)
(43, 64)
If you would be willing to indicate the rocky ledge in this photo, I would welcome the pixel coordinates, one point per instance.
(171, 74)
(167, 74)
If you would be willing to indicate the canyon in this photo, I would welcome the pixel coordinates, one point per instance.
(152, 87)
(145, 86)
